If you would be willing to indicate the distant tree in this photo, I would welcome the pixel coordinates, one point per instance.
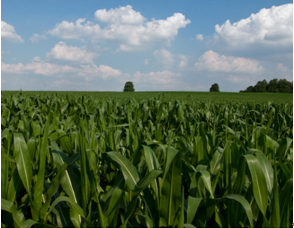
(260, 86)
(285, 86)
(214, 88)
(272, 86)
(250, 89)
(129, 87)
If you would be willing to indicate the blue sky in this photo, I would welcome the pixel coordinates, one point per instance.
(179, 46)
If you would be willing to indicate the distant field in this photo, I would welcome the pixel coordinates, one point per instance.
(195, 96)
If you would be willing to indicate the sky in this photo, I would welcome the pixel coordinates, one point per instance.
(91, 45)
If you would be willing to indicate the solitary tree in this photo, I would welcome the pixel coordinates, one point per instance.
(129, 87)
(214, 88)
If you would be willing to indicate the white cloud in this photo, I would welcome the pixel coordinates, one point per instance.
(77, 30)
(70, 84)
(160, 80)
(8, 33)
(86, 72)
(279, 71)
(42, 68)
(35, 38)
(63, 83)
(4, 52)
(284, 72)
(167, 60)
(163, 81)
(122, 15)
(12, 68)
(240, 79)
(37, 59)
(199, 37)
(124, 26)
(70, 53)
(269, 28)
(282, 68)
(164, 57)
(90, 72)
(183, 61)
(213, 62)
(128, 48)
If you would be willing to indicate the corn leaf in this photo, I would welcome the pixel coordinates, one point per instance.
(259, 183)
(171, 192)
(74, 206)
(193, 204)
(23, 161)
(275, 215)
(267, 169)
(286, 195)
(39, 186)
(129, 171)
(18, 216)
(112, 211)
(245, 205)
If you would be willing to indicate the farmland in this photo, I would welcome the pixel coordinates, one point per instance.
(146, 159)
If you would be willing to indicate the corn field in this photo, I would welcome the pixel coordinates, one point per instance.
(89, 162)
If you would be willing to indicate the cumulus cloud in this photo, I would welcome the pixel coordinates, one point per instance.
(70, 53)
(86, 72)
(199, 37)
(163, 81)
(37, 59)
(75, 30)
(122, 15)
(146, 61)
(124, 26)
(42, 68)
(160, 78)
(89, 72)
(164, 57)
(12, 68)
(269, 28)
(183, 61)
(284, 72)
(214, 62)
(8, 33)
(167, 60)
(35, 38)
(240, 79)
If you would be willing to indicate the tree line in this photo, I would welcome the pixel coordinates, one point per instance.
(273, 86)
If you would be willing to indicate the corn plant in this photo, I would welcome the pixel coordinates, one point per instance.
(81, 161)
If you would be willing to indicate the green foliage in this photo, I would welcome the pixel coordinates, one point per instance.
(129, 87)
(214, 88)
(274, 86)
(100, 161)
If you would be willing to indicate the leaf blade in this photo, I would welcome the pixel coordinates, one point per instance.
(128, 169)
(23, 161)
(259, 183)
